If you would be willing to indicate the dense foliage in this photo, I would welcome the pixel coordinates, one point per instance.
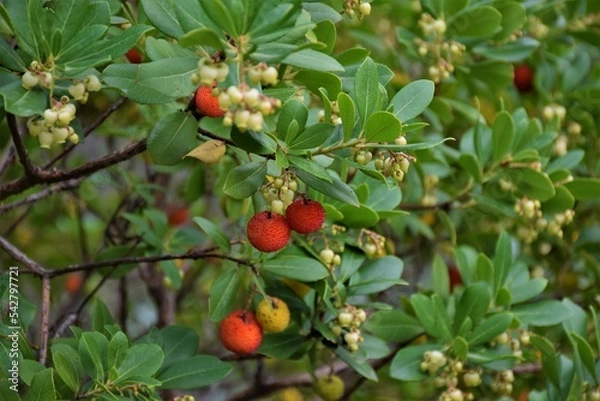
(167, 165)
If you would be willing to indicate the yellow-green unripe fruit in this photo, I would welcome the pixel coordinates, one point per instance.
(330, 388)
(273, 315)
(290, 394)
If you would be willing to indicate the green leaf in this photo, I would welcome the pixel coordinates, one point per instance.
(9, 58)
(224, 294)
(310, 167)
(382, 126)
(511, 52)
(532, 183)
(194, 372)
(244, 180)
(313, 80)
(160, 81)
(296, 267)
(366, 90)
(376, 275)
(201, 37)
(474, 303)
(352, 260)
(18, 100)
(281, 345)
(460, 347)
(141, 360)
(406, 365)
(7, 392)
(550, 361)
(480, 21)
(440, 277)
(490, 328)
(162, 14)
(68, 365)
(334, 188)
(584, 188)
(313, 60)
(313, 136)
(358, 217)
(100, 316)
(292, 110)
(544, 313)
(347, 114)
(413, 99)
(215, 233)
(514, 16)
(503, 132)
(42, 387)
(529, 289)
(394, 325)
(471, 164)
(423, 307)
(586, 353)
(172, 138)
(93, 348)
(117, 349)
(362, 368)
(502, 260)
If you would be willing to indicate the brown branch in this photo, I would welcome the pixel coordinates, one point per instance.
(214, 136)
(113, 107)
(50, 177)
(63, 186)
(31, 170)
(46, 286)
(20, 257)
(9, 158)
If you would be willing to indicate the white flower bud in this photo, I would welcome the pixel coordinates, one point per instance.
(46, 139)
(29, 80)
(269, 76)
(92, 83)
(327, 255)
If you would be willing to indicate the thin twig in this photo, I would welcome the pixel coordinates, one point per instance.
(30, 169)
(46, 286)
(20, 257)
(63, 186)
(9, 158)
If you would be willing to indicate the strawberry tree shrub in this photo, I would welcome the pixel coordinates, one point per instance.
(393, 200)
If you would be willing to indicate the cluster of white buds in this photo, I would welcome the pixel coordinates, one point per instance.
(36, 76)
(280, 192)
(503, 382)
(334, 118)
(553, 109)
(394, 165)
(372, 244)
(262, 74)
(455, 394)
(246, 107)
(432, 26)
(52, 127)
(210, 72)
(80, 90)
(472, 378)
(560, 147)
(536, 28)
(530, 209)
(433, 361)
(330, 257)
(347, 324)
(362, 156)
(357, 8)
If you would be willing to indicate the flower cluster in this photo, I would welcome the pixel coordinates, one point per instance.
(348, 324)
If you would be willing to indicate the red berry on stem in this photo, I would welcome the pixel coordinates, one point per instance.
(455, 277)
(240, 332)
(305, 216)
(523, 78)
(134, 56)
(206, 103)
(268, 231)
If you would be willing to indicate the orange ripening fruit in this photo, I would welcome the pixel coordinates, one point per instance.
(178, 216)
(268, 231)
(273, 315)
(240, 332)
(305, 216)
(206, 103)
(134, 56)
(73, 283)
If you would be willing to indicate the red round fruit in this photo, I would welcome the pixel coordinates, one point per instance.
(305, 216)
(178, 216)
(268, 231)
(73, 283)
(240, 332)
(455, 277)
(134, 56)
(523, 78)
(208, 104)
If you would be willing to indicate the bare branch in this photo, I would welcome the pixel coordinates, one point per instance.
(20, 257)
(31, 170)
(46, 286)
(63, 186)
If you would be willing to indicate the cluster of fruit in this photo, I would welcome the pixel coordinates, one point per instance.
(531, 210)
(372, 244)
(280, 192)
(209, 73)
(395, 164)
(447, 375)
(241, 331)
(268, 231)
(52, 127)
(503, 382)
(357, 8)
(347, 326)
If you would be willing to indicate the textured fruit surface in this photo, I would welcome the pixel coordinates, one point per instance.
(299, 288)
(289, 394)
(330, 388)
(523, 78)
(273, 316)
(206, 103)
(305, 216)
(240, 332)
(268, 231)
(134, 56)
